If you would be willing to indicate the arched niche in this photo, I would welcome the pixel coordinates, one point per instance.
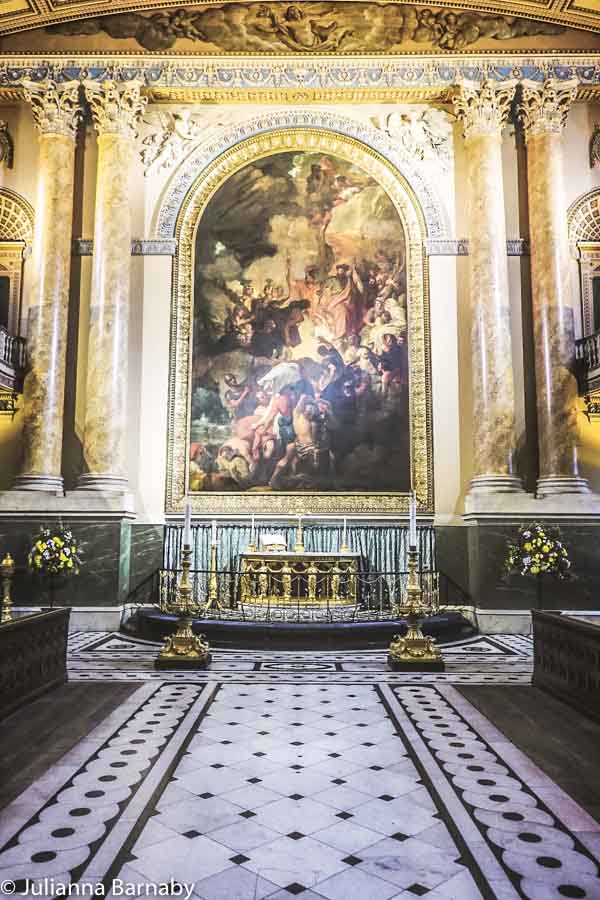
(16, 234)
(184, 303)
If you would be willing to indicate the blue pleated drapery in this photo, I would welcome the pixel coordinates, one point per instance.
(383, 548)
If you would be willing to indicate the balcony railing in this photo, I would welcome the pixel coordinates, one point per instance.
(13, 360)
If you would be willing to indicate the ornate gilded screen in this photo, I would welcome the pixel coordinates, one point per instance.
(305, 340)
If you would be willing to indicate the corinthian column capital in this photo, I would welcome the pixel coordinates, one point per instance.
(55, 106)
(544, 107)
(116, 108)
(483, 107)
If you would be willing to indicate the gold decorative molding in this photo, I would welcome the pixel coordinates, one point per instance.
(483, 108)
(116, 107)
(544, 108)
(298, 97)
(194, 204)
(55, 106)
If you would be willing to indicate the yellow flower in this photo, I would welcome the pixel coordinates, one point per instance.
(40, 545)
(38, 563)
(527, 546)
(62, 557)
(70, 564)
(546, 548)
(534, 570)
(59, 543)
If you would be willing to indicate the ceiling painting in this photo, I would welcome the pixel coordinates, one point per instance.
(305, 27)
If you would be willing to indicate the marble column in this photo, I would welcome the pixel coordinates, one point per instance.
(116, 109)
(483, 109)
(543, 111)
(56, 113)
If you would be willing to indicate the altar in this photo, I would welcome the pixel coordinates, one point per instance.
(284, 578)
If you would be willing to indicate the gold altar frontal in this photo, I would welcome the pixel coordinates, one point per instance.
(305, 579)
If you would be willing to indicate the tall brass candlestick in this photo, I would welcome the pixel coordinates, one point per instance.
(184, 650)
(415, 652)
(213, 580)
(299, 545)
(345, 548)
(7, 568)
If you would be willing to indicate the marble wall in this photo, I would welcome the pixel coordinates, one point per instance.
(105, 573)
(121, 557)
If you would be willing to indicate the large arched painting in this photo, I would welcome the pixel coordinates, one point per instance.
(300, 375)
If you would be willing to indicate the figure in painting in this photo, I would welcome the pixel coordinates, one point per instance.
(300, 353)
(297, 31)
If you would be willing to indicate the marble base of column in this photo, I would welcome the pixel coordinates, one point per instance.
(50, 483)
(562, 484)
(108, 484)
(496, 484)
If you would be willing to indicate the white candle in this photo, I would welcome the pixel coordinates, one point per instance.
(187, 526)
(213, 533)
(412, 524)
(252, 530)
(344, 534)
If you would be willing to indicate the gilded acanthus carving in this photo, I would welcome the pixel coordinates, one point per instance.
(55, 106)
(543, 108)
(116, 107)
(309, 27)
(173, 134)
(425, 134)
(483, 108)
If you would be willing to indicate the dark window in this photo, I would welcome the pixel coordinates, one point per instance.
(5, 295)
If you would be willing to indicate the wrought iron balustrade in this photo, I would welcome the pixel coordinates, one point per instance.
(376, 595)
(587, 356)
(13, 362)
(13, 350)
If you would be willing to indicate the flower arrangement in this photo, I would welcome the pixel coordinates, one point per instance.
(55, 552)
(538, 551)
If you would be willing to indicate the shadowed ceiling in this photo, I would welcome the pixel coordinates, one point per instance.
(19, 15)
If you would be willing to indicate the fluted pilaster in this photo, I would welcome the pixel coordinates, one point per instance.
(483, 110)
(543, 111)
(56, 113)
(116, 109)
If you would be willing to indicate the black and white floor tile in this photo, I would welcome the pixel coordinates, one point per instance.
(291, 779)
(479, 660)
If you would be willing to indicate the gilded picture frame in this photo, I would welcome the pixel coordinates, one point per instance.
(417, 276)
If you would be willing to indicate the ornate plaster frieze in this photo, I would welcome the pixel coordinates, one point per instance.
(170, 136)
(425, 134)
(85, 247)
(373, 139)
(483, 108)
(55, 105)
(116, 107)
(517, 247)
(214, 77)
(514, 247)
(543, 108)
(447, 247)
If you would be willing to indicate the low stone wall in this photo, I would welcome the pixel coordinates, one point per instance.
(33, 656)
(567, 660)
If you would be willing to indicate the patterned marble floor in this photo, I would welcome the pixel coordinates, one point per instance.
(277, 775)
